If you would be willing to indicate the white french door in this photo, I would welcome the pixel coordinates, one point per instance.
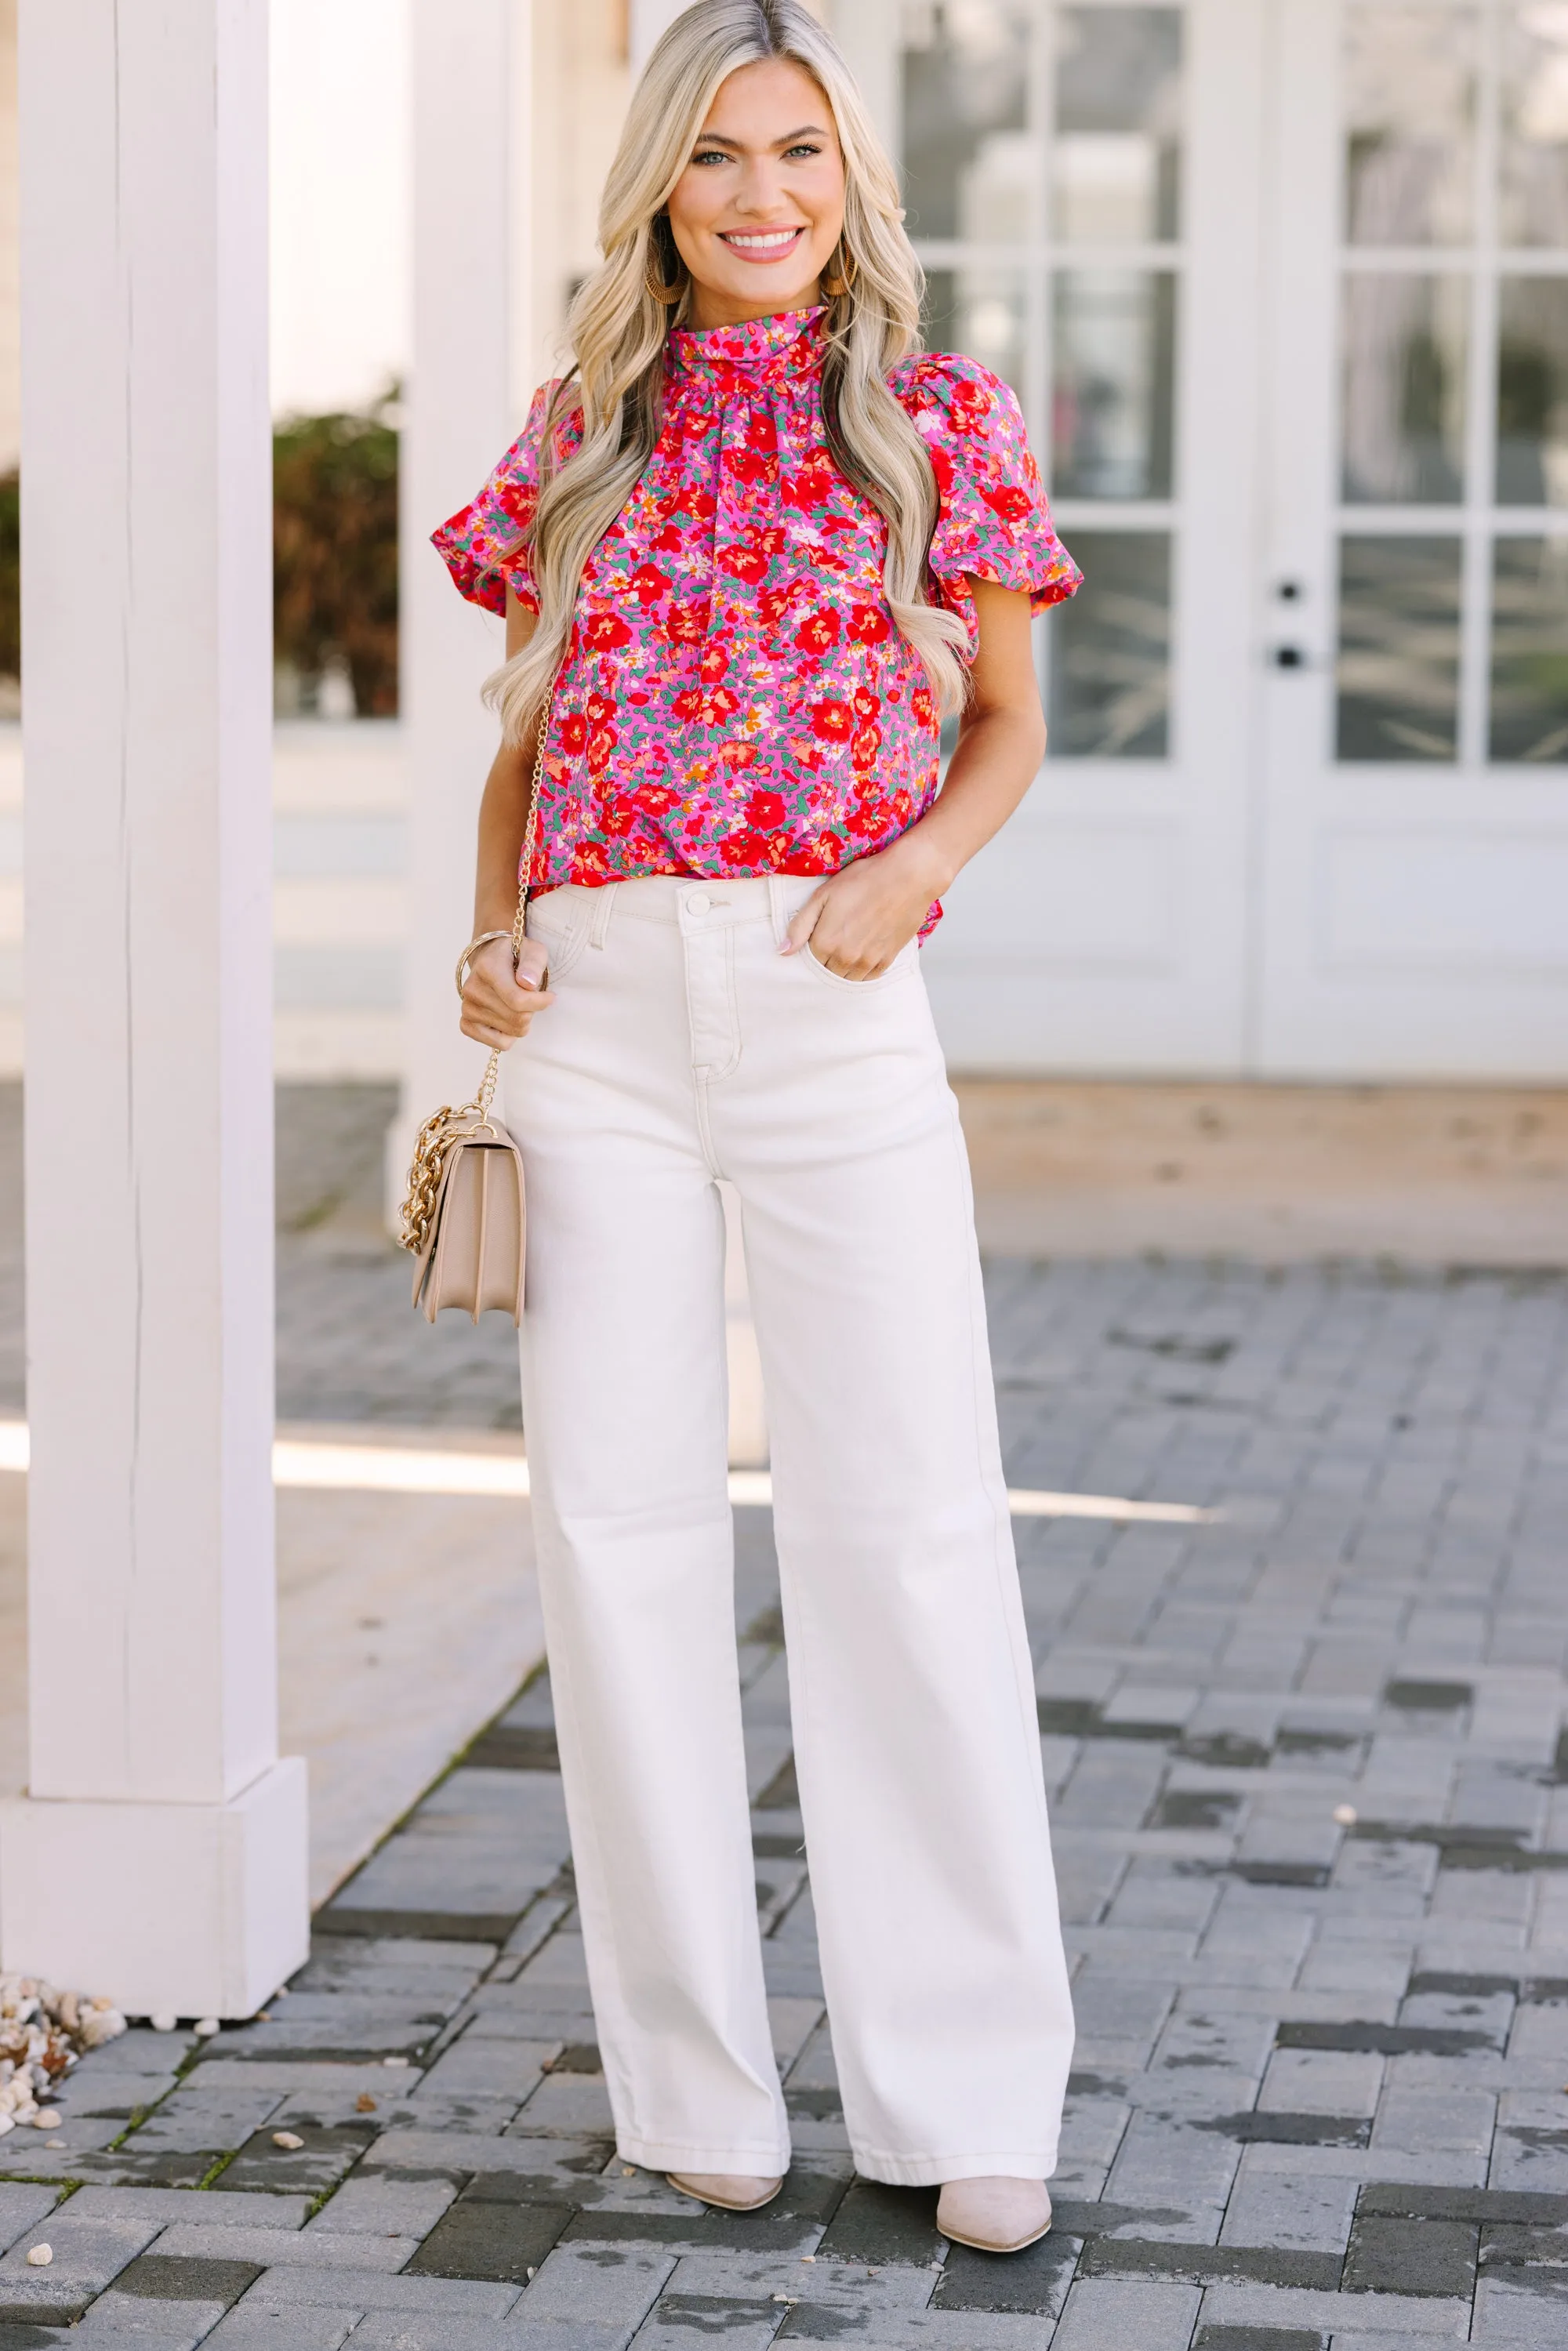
(1413, 824)
(1283, 287)
(1080, 184)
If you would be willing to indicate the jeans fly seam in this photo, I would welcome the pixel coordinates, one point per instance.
(705, 1130)
(728, 1068)
(599, 924)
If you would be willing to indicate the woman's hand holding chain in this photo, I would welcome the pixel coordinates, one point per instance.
(499, 1001)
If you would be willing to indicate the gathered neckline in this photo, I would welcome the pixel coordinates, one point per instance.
(786, 343)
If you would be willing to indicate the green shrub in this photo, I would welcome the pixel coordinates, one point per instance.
(334, 552)
(334, 555)
(10, 574)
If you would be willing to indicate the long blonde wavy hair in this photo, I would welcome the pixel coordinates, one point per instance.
(617, 331)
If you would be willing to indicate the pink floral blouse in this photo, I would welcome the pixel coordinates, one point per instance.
(734, 697)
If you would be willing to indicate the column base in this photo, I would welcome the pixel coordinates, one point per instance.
(201, 1908)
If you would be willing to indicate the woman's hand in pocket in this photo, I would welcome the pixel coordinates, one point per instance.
(499, 1004)
(865, 917)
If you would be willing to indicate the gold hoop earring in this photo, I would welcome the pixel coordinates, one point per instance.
(669, 291)
(841, 274)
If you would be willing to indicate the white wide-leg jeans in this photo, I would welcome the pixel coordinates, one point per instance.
(683, 1048)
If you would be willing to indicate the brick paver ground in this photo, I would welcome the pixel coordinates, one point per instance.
(349, 1348)
(1311, 1802)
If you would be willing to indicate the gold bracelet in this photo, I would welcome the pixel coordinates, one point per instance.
(471, 950)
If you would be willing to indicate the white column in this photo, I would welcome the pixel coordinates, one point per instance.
(459, 414)
(867, 31)
(10, 385)
(160, 1855)
(649, 19)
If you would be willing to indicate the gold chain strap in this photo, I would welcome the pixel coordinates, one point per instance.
(446, 1126)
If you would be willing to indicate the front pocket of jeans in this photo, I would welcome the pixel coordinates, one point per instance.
(563, 939)
(903, 963)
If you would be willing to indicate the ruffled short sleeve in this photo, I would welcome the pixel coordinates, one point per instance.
(993, 520)
(485, 545)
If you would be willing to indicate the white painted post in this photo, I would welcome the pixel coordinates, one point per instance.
(10, 384)
(459, 414)
(867, 33)
(649, 19)
(159, 1853)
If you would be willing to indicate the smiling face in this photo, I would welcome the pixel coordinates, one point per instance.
(757, 213)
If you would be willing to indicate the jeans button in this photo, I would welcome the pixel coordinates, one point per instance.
(698, 903)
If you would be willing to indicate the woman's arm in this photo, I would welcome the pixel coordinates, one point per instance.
(499, 1003)
(860, 919)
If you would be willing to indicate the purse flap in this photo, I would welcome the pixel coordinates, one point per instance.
(499, 1141)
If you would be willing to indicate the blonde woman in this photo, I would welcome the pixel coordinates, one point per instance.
(749, 551)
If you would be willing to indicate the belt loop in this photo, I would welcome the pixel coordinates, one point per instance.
(775, 909)
(598, 921)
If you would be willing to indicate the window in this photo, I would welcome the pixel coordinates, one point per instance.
(1454, 376)
(1042, 155)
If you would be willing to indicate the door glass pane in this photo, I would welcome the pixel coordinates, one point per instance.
(1530, 650)
(1533, 392)
(1398, 648)
(1404, 388)
(1409, 107)
(1110, 650)
(1113, 394)
(968, 164)
(979, 311)
(1118, 151)
(1534, 209)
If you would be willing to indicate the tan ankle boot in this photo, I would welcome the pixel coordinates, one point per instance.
(732, 2191)
(995, 2216)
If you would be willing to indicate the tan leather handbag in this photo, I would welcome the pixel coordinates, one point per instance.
(464, 1217)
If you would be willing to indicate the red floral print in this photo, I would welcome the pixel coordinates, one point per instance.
(833, 721)
(735, 697)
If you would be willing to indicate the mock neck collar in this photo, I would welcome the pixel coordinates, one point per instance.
(763, 350)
